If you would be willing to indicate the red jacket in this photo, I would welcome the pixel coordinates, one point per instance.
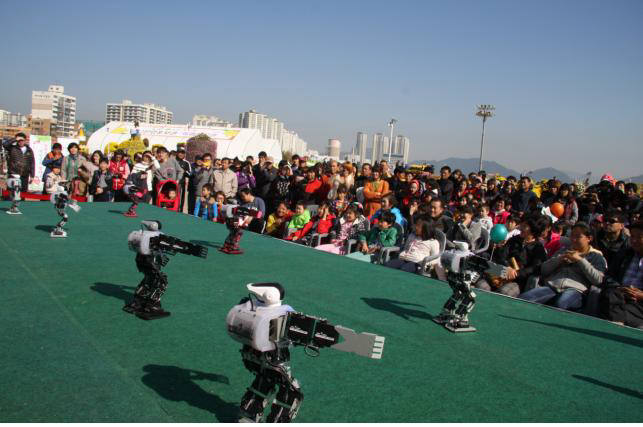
(120, 171)
(323, 226)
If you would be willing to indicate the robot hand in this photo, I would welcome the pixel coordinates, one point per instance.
(74, 206)
(364, 344)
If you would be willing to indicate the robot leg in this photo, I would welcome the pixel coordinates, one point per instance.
(255, 400)
(59, 231)
(156, 286)
(131, 212)
(288, 400)
(448, 310)
(14, 183)
(231, 244)
(137, 303)
(460, 322)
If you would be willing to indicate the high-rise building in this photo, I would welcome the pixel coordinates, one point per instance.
(403, 145)
(334, 147)
(127, 111)
(57, 107)
(210, 121)
(360, 146)
(272, 128)
(377, 147)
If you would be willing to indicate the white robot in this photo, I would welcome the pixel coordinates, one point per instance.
(61, 200)
(14, 183)
(463, 269)
(268, 329)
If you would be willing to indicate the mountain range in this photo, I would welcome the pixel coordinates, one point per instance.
(491, 167)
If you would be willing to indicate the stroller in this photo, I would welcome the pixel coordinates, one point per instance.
(163, 189)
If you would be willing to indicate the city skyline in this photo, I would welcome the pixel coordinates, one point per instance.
(564, 77)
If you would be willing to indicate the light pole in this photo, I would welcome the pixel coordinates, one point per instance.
(391, 124)
(485, 111)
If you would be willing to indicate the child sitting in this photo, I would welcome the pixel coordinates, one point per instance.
(483, 217)
(53, 179)
(499, 214)
(218, 199)
(205, 206)
(512, 226)
(170, 199)
(341, 202)
(320, 223)
(419, 245)
(383, 235)
(299, 219)
(350, 226)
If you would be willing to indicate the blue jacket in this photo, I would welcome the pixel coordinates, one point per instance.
(395, 211)
(206, 211)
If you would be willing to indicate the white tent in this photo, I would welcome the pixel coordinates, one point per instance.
(231, 142)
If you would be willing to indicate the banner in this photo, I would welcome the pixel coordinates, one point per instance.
(40, 145)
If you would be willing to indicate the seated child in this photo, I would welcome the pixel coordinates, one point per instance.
(513, 221)
(499, 214)
(419, 245)
(299, 219)
(205, 206)
(370, 242)
(321, 223)
(169, 199)
(349, 226)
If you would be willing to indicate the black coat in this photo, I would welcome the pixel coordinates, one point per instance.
(19, 163)
(94, 183)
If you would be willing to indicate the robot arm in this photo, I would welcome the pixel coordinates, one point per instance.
(316, 333)
(172, 245)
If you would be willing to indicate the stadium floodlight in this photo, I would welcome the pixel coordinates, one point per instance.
(391, 124)
(485, 111)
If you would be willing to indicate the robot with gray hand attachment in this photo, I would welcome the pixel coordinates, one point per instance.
(463, 269)
(152, 248)
(268, 329)
(61, 200)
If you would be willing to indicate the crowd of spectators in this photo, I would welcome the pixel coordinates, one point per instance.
(586, 259)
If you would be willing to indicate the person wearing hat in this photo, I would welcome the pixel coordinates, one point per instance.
(21, 160)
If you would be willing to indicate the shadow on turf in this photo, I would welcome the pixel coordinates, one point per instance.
(615, 388)
(117, 212)
(45, 228)
(206, 243)
(178, 384)
(607, 335)
(397, 308)
(112, 290)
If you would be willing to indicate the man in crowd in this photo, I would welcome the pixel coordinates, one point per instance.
(169, 168)
(440, 221)
(465, 229)
(363, 178)
(446, 184)
(611, 239)
(225, 180)
(522, 197)
(622, 297)
(21, 160)
(200, 176)
(187, 172)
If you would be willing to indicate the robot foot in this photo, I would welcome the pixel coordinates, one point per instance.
(58, 233)
(151, 313)
(231, 251)
(460, 326)
(14, 211)
(442, 319)
(130, 214)
(132, 307)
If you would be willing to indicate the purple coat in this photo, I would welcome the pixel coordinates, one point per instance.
(245, 181)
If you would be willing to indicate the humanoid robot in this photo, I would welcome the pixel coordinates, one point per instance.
(152, 249)
(61, 200)
(267, 329)
(13, 185)
(235, 221)
(463, 269)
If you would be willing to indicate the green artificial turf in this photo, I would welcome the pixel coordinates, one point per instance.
(69, 353)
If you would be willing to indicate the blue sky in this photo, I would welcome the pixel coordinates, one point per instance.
(566, 77)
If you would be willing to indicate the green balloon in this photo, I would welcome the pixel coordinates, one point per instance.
(498, 233)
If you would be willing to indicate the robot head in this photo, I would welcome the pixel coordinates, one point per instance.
(270, 294)
(151, 225)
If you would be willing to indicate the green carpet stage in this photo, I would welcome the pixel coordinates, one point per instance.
(68, 352)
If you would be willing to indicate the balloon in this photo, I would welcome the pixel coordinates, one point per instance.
(557, 209)
(498, 233)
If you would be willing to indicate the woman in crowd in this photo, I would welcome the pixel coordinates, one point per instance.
(348, 227)
(388, 205)
(419, 245)
(277, 222)
(566, 197)
(120, 171)
(374, 190)
(245, 178)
